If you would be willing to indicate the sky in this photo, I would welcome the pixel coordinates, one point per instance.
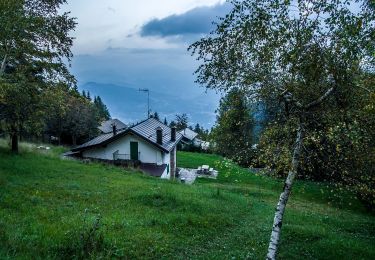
(123, 45)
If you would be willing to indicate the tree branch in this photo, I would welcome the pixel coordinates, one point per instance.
(288, 98)
(320, 100)
(362, 87)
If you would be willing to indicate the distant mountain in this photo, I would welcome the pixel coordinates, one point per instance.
(130, 105)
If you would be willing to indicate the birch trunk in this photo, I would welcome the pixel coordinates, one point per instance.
(284, 196)
(2, 68)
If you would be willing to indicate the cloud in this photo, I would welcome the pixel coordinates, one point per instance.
(118, 73)
(111, 9)
(196, 21)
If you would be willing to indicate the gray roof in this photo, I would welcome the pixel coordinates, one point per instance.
(97, 140)
(145, 129)
(188, 133)
(106, 127)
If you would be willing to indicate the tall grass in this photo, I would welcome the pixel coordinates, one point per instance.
(53, 208)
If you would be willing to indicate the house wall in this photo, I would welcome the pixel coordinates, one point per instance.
(148, 153)
(166, 175)
(166, 160)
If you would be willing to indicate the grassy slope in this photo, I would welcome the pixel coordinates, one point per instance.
(45, 202)
(194, 160)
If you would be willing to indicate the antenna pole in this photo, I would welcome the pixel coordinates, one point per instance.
(148, 100)
(148, 103)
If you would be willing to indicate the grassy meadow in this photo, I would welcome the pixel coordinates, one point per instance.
(55, 208)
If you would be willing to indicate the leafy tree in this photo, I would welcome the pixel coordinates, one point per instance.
(172, 124)
(338, 144)
(233, 132)
(182, 121)
(81, 120)
(34, 45)
(58, 100)
(202, 133)
(197, 128)
(155, 115)
(73, 116)
(305, 54)
(102, 110)
(21, 108)
(75, 89)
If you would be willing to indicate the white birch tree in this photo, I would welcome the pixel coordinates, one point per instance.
(298, 52)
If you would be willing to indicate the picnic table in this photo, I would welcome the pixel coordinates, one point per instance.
(205, 169)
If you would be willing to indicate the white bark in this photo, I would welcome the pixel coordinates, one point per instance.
(280, 209)
(3, 63)
(321, 99)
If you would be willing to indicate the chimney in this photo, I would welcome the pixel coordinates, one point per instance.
(159, 135)
(114, 129)
(173, 134)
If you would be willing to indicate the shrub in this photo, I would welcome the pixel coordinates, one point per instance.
(87, 243)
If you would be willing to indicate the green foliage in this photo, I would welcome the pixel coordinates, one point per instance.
(49, 206)
(274, 148)
(21, 108)
(202, 133)
(155, 115)
(87, 243)
(172, 124)
(269, 47)
(338, 147)
(71, 117)
(314, 63)
(34, 47)
(181, 122)
(233, 133)
(101, 109)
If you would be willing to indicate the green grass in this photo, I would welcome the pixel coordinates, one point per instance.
(194, 160)
(48, 205)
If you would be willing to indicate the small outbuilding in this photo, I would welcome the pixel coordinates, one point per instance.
(190, 137)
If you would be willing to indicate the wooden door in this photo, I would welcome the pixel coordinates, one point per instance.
(134, 151)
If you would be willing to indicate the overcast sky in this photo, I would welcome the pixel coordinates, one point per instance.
(140, 44)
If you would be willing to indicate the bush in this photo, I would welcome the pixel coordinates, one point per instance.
(341, 153)
(87, 243)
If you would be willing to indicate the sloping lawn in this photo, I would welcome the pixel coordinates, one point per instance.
(53, 208)
(194, 160)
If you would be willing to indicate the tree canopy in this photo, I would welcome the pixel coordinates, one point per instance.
(34, 45)
(307, 56)
(182, 121)
(233, 132)
(273, 48)
(38, 95)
